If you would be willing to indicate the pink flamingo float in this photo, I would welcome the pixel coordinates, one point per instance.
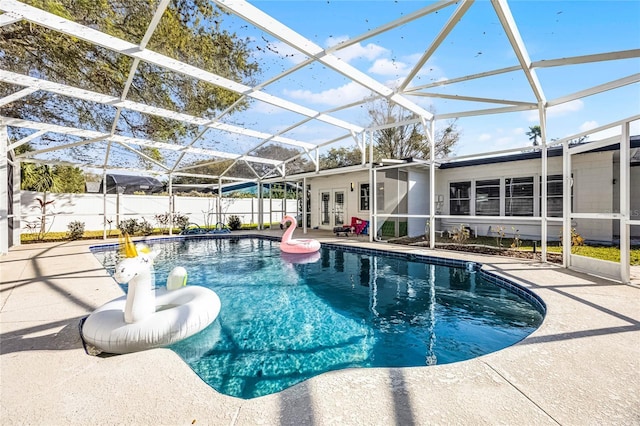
(289, 245)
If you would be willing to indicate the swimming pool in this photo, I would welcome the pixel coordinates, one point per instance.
(283, 322)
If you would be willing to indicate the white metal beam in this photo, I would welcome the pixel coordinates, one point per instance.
(444, 32)
(26, 139)
(463, 78)
(9, 18)
(74, 92)
(614, 84)
(270, 25)
(16, 122)
(584, 59)
(511, 30)
(30, 154)
(473, 99)
(590, 146)
(597, 129)
(488, 111)
(17, 95)
(90, 35)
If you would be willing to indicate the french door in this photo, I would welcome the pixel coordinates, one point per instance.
(332, 207)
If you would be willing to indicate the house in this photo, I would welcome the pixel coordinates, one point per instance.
(484, 194)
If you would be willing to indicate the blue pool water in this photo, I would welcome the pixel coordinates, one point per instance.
(283, 322)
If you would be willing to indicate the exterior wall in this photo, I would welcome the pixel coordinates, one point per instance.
(418, 201)
(634, 194)
(88, 208)
(338, 182)
(592, 192)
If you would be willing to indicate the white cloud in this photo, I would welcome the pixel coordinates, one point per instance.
(556, 111)
(389, 67)
(588, 125)
(566, 108)
(350, 92)
(504, 142)
(484, 137)
(279, 49)
(265, 108)
(358, 51)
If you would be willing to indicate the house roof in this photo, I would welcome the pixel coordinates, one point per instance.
(131, 183)
(554, 151)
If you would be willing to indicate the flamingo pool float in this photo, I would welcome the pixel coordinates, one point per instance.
(289, 245)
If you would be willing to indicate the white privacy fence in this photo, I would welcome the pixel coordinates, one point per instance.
(92, 209)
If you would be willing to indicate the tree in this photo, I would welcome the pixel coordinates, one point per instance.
(70, 180)
(241, 169)
(407, 140)
(189, 30)
(534, 133)
(341, 157)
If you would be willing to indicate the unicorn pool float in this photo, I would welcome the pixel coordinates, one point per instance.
(289, 245)
(146, 318)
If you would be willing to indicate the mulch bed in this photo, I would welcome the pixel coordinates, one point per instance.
(479, 249)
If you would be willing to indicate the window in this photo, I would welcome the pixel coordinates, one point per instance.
(364, 196)
(488, 197)
(554, 195)
(380, 197)
(459, 198)
(518, 196)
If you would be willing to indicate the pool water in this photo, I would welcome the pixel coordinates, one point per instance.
(284, 321)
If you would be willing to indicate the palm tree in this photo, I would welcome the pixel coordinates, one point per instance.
(534, 133)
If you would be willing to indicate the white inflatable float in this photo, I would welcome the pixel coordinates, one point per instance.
(146, 318)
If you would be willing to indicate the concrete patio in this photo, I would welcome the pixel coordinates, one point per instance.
(582, 367)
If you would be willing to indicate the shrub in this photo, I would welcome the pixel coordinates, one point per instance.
(163, 219)
(460, 235)
(517, 242)
(576, 239)
(76, 230)
(181, 221)
(145, 228)
(234, 222)
(499, 231)
(128, 226)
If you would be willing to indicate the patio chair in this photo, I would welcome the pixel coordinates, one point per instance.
(360, 226)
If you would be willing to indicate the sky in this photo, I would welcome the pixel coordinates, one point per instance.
(549, 29)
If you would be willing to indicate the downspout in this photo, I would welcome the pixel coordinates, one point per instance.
(304, 205)
(17, 202)
(543, 197)
(171, 205)
(432, 181)
(104, 204)
(625, 206)
(566, 201)
(4, 191)
(373, 195)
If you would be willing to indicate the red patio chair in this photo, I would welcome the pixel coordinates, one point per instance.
(359, 225)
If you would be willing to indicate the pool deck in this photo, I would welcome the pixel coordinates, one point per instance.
(581, 367)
